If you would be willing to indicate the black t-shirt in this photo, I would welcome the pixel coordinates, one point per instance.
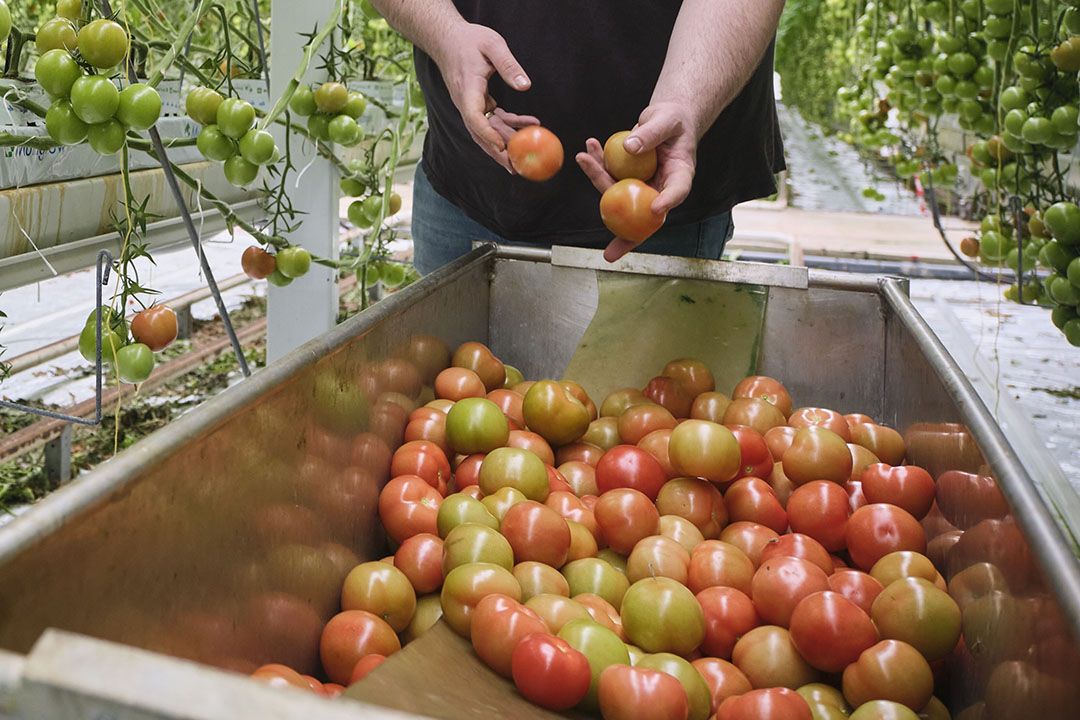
(593, 66)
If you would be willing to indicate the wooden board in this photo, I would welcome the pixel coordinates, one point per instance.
(438, 675)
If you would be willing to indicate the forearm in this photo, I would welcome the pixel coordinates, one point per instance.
(426, 23)
(715, 47)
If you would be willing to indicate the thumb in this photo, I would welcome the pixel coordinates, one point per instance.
(651, 132)
(504, 62)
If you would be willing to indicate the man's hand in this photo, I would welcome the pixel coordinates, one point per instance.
(668, 128)
(468, 59)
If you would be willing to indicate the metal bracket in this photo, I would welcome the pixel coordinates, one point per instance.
(104, 266)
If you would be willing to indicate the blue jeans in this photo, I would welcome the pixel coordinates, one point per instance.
(442, 232)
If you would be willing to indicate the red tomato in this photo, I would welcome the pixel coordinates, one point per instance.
(715, 563)
(535, 153)
(579, 452)
(757, 459)
(817, 453)
(429, 426)
(779, 439)
(499, 623)
(907, 486)
(749, 537)
(656, 444)
(694, 375)
(751, 499)
(966, 499)
(830, 631)
(857, 586)
(637, 421)
(626, 516)
(570, 507)
(582, 397)
(629, 693)
(767, 704)
(856, 496)
(890, 670)
(557, 610)
(626, 209)
(537, 533)
(409, 506)
(420, 558)
(423, 458)
(764, 388)
(351, 635)
(723, 678)
(697, 501)
(364, 666)
(527, 440)
(710, 406)
(556, 481)
(277, 675)
(658, 556)
(468, 471)
(822, 417)
(257, 263)
(602, 612)
(799, 546)
(479, 358)
(752, 412)
(820, 510)
(669, 393)
(876, 530)
(333, 690)
(729, 614)
(510, 403)
(627, 466)
(155, 327)
(550, 673)
(456, 383)
(781, 583)
(769, 659)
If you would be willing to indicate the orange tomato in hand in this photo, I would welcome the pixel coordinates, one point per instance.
(626, 209)
(535, 153)
(622, 165)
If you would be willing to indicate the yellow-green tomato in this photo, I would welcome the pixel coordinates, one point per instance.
(516, 468)
(472, 543)
(697, 691)
(103, 43)
(662, 615)
(476, 425)
(600, 646)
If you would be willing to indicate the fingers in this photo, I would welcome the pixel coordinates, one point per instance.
(676, 189)
(594, 170)
(504, 62)
(653, 131)
(473, 104)
(501, 126)
(514, 120)
(617, 248)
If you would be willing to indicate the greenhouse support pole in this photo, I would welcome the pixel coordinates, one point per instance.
(308, 307)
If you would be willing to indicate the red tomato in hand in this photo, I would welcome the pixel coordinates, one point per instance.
(154, 327)
(729, 614)
(628, 466)
(906, 486)
(499, 623)
(629, 693)
(408, 506)
(876, 530)
(830, 631)
(757, 460)
(550, 673)
(626, 516)
(626, 209)
(535, 153)
(751, 499)
(820, 510)
(766, 704)
(781, 583)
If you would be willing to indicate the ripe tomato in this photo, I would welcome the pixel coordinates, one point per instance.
(781, 583)
(539, 579)
(596, 577)
(801, 546)
(890, 670)
(715, 563)
(710, 406)
(202, 105)
(750, 499)
(658, 556)
(458, 383)
(499, 624)
(103, 43)
(626, 516)
(861, 458)
(821, 417)
(602, 612)
(257, 263)
(967, 499)
(408, 506)
(749, 537)
(510, 403)
(922, 615)
(729, 614)
(697, 690)
(350, 636)
(637, 421)
(557, 610)
(155, 327)
(755, 413)
(581, 476)
(364, 666)
(382, 590)
(765, 704)
(569, 506)
(907, 486)
(681, 531)
(656, 444)
(479, 358)
(669, 393)
(699, 448)
(420, 559)
(626, 209)
(621, 165)
(423, 458)
(535, 153)
(627, 466)
(538, 446)
(764, 388)
(537, 533)
(820, 510)
(724, 679)
(817, 453)
(694, 375)
(467, 585)
(878, 529)
(550, 673)
(579, 452)
(600, 646)
(884, 442)
(632, 693)
(830, 631)
(583, 397)
(779, 439)
(553, 411)
(755, 458)
(857, 586)
(276, 675)
(769, 659)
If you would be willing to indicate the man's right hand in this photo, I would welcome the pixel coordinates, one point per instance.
(469, 57)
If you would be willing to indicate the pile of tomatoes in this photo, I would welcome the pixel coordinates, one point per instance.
(675, 552)
(75, 68)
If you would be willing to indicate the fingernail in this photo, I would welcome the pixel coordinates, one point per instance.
(521, 81)
(632, 144)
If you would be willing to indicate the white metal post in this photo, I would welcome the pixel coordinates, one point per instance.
(308, 307)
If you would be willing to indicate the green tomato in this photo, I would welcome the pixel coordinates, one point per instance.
(999, 7)
(110, 318)
(1072, 332)
(883, 710)
(63, 125)
(997, 28)
(1012, 260)
(1014, 121)
(457, 510)
(993, 247)
(303, 101)
(661, 615)
(111, 342)
(240, 172)
(356, 105)
(103, 43)
(966, 90)
(1072, 20)
(257, 147)
(368, 275)
(235, 117)
(949, 43)
(202, 105)
(1015, 144)
(294, 262)
(5, 22)
(697, 691)
(1065, 119)
(984, 77)
(600, 646)
(962, 64)
(95, 99)
(1056, 256)
(70, 9)
(140, 107)
(1063, 220)
(511, 467)
(945, 84)
(331, 97)
(343, 130)
(984, 124)
(214, 145)
(980, 154)
(997, 50)
(351, 187)
(56, 71)
(471, 543)
(357, 216)
(107, 138)
(1073, 272)
(279, 280)
(475, 425)
(1013, 98)
(1037, 130)
(319, 127)
(598, 577)
(1063, 292)
(392, 274)
(372, 207)
(970, 110)
(134, 363)
(1062, 314)
(57, 34)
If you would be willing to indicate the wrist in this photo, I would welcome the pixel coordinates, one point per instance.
(446, 38)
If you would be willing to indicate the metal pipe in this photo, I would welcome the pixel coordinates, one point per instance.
(1060, 566)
